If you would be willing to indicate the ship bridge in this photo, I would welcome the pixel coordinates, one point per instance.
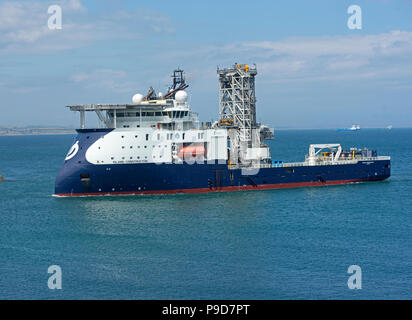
(169, 111)
(166, 113)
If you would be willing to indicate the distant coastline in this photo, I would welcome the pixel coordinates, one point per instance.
(26, 131)
(32, 131)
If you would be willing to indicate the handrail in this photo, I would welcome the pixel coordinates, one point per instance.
(306, 164)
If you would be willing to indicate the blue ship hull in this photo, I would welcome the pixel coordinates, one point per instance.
(78, 177)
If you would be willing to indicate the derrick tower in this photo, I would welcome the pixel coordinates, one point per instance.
(237, 108)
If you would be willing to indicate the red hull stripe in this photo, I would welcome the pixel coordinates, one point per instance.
(206, 190)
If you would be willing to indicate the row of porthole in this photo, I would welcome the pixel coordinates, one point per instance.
(322, 173)
(169, 136)
(131, 147)
(138, 147)
(303, 174)
(147, 136)
(121, 189)
(131, 158)
(153, 146)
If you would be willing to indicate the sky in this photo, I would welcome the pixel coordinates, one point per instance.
(313, 71)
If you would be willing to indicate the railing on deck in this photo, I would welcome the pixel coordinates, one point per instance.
(306, 164)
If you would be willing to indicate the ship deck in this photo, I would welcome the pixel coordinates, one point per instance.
(319, 163)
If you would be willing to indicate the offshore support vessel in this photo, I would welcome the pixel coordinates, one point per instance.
(156, 145)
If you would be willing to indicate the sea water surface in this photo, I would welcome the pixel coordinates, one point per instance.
(274, 244)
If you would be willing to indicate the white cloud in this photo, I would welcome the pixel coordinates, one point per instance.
(107, 79)
(23, 26)
(367, 59)
(23, 29)
(329, 58)
(360, 45)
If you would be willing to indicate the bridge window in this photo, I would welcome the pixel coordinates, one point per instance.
(150, 114)
(158, 114)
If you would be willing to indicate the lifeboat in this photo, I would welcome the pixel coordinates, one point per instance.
(191, 152)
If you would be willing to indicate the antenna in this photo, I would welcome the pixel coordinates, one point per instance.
(178, 78)
(178, 83)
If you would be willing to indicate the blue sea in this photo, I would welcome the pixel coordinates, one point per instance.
(274, 244)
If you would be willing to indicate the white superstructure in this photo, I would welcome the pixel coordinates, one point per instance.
(153, 131)
(165, 130)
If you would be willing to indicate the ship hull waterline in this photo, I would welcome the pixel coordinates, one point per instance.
(79, 177)
(151, 179)
(221, 189)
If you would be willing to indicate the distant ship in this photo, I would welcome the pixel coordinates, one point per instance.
(389, 127)
(353, 128)
(156, 145)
